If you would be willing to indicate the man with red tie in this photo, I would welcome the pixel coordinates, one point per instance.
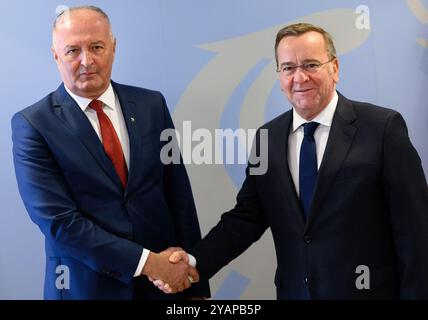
(87, 162)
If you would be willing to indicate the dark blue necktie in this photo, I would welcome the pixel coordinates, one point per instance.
(308, 166)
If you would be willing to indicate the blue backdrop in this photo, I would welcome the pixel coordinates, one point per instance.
(170, 45)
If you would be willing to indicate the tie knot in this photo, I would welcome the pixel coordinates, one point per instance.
(309, 128)
(97, 105)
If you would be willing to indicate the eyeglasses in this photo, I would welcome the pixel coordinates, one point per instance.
(309, 67)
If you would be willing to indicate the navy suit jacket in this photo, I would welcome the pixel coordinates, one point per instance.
(92, 225)
(370, 208)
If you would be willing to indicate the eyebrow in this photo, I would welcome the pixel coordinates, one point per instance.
(68, 47)
(97, 42)
(303, 62)
(73, 46)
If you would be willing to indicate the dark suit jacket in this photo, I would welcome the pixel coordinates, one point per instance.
(93, 225)
(370, 208)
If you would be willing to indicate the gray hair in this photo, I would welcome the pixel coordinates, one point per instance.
(67, 10)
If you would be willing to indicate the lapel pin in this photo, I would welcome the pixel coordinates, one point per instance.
(132, 119)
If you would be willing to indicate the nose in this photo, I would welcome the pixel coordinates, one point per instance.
(300, 76)
(86, 58)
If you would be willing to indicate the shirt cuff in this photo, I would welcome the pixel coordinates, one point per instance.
(142, 262)
(192, 260)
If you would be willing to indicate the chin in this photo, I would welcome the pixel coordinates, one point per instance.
(90, 88)
(306, 107)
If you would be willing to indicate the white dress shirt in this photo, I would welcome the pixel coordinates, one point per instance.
(321, 134)
(112, 108)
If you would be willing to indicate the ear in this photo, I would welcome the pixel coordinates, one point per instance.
(114, 45)
(55, 54)
(336, 70)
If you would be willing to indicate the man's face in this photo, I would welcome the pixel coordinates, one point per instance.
(308, 92)
(84, 48)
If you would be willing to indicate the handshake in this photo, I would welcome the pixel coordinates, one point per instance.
(170, 270)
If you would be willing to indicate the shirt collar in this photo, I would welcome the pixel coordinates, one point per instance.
(108, 98)
(325, 117)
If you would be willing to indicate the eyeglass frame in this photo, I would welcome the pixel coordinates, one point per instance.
(304, 69)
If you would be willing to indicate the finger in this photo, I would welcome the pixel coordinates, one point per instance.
(181, 287)
(158, 283)
(193, 275)
(179, 256)
(173, 249)
(175, 257)
(187, 284)
(169, 291)
(161, 287)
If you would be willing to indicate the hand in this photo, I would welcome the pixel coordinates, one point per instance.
(181, 255)
(178, 256)
(176, 275)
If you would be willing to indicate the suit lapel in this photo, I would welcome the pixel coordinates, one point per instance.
(129, 110)
(279, 137)
(340, 139)
(75, 120)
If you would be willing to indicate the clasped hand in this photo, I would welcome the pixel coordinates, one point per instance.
(170, 270)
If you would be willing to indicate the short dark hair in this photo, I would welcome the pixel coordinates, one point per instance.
(298, 29)
(71, 9)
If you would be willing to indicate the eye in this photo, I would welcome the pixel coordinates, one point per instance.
(288, 68)
(312, 66)
(97, 48)
(72, 52)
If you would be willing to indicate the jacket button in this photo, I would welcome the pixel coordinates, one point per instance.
(307, 239)
(306, 280)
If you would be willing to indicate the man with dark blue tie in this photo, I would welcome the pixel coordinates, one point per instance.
(87, 162)
(344, 191)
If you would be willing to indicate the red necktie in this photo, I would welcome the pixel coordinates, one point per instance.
(111, 142)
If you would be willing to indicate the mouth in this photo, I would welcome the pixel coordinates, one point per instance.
(87, 74)
(303, 91)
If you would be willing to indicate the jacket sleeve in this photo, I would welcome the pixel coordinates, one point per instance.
(50, 205)
(407, 195)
